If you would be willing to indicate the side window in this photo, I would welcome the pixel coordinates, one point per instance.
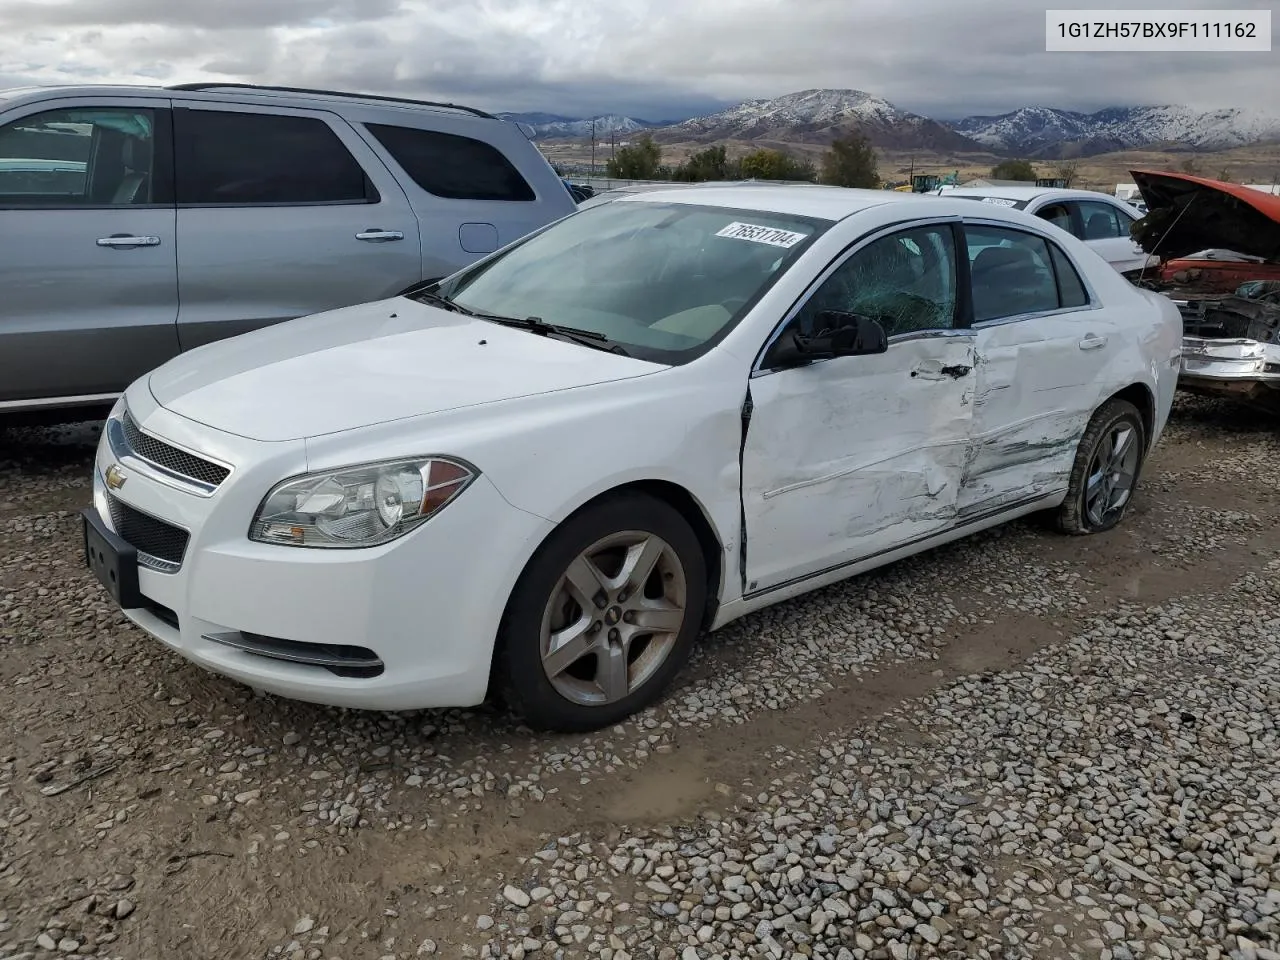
(451, 166)
(1057, 214)
(1101, 221)
(245, 159)
(1010, 273)
(1071, 292)
(906, 281)
(82, 157)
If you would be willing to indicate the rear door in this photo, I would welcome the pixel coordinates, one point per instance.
(1105, 227)
(88, 270)
(1044, 343)
(282, 213)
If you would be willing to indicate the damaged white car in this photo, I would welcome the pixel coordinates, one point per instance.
(545, 476)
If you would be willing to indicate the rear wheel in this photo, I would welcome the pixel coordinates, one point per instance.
(1107, 467)
(604, 615)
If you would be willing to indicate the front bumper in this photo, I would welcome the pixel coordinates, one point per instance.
(425, 608)
(1245, 369)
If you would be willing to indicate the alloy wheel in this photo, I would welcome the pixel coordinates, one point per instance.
(613, 618)
(1112, 473)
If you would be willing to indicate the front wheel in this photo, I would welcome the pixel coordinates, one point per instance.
(603, 617)
(1106, 470)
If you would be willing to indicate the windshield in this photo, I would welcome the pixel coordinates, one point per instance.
(666, 281)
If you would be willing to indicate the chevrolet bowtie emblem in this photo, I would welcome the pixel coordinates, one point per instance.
(115, 477)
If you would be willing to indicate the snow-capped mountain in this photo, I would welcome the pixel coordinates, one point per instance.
(549, 126)
(818, 116)
(1048, 132)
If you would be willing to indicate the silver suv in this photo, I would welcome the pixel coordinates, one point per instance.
(139, 222)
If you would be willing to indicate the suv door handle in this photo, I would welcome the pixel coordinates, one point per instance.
(124, 240)
(1093, 342)
(374, 235)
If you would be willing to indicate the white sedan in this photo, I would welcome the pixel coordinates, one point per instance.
(546, 476)
(1101, 221)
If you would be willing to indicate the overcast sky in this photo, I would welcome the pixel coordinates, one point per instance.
(655, 59)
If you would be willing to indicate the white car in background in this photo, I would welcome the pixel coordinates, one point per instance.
(1098, 219)
(547, 474)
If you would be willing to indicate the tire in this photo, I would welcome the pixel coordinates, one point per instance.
(1082, 512)
(576, 691)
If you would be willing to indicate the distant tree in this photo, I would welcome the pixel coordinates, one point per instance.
(1013, 170)
(1225, 176)
(709, 164)
(1191, 165)
(851, 162)
(1067, 170)
(639, 161)
(775, 165)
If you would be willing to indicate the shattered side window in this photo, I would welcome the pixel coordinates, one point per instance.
(905, 281)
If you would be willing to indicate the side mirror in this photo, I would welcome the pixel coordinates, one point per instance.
(838, 335)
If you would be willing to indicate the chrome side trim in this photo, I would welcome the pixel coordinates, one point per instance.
(54, 403)
(238, 641)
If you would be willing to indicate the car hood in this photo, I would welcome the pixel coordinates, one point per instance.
(1187, 214)
(369, 364)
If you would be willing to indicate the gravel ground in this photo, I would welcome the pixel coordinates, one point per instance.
(1021, 745)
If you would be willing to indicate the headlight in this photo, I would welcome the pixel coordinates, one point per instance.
(359, 506)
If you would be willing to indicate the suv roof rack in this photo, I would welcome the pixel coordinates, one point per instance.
(267, 88)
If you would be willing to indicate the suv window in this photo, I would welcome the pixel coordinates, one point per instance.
(1010, 272)
(1102, 221)
(243, 159)
(452, 166)
(906, 281)
(81, 157)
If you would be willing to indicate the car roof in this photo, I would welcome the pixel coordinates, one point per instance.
(826, 203)
(802, 200)
(1026, 193)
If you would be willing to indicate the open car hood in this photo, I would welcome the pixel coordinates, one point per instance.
(1186, 214)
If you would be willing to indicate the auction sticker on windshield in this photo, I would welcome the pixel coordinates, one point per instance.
(757, 234)
(1000, 201)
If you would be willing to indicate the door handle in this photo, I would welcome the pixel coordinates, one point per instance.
(124, 240)
(374, 235)
(1093, 342)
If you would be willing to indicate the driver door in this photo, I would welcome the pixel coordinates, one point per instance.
(852, 457)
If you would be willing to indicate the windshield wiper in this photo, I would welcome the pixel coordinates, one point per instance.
(586, 338)
(438, 301)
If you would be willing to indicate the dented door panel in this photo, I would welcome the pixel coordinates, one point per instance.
(1039, 380)
(850, 457)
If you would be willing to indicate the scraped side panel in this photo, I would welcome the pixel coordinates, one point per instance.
(847, 458)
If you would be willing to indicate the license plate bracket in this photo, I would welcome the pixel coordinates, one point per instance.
(113, 561)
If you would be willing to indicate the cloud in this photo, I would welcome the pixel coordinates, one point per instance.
(657, 59)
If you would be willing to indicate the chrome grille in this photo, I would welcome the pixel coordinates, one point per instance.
(170, 457)
(149, 535)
